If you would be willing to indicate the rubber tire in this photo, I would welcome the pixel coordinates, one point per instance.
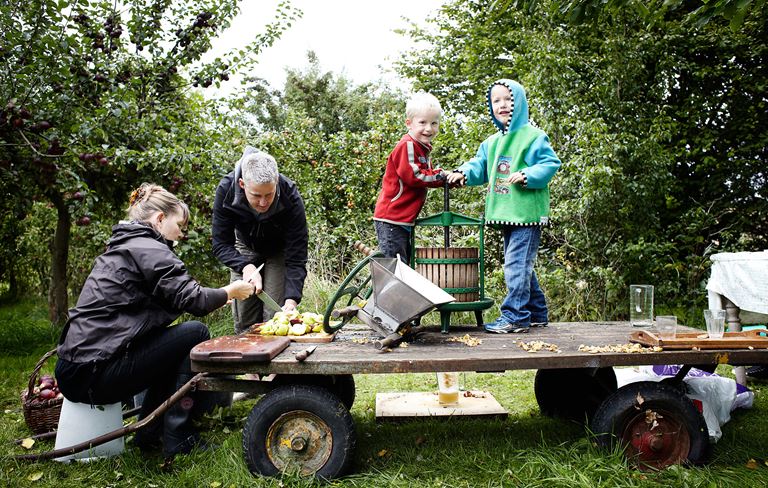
(573, 393)
(312, 399)
(618, 409)
(341, 385)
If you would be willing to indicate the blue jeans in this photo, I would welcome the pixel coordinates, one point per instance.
(525, 302)
(393, 240)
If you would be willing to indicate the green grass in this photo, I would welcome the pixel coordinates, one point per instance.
(526, 449)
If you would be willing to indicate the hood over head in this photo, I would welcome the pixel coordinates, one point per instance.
(520, 106)
(126, 230)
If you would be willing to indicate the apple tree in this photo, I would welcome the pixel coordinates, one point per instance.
(660, 121)
(98, 96)
(332, 137)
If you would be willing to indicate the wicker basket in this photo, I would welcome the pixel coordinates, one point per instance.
(40, 415)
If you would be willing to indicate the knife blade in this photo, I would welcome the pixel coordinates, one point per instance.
(268, 301)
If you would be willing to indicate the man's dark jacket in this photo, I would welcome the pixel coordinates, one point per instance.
(281, 228)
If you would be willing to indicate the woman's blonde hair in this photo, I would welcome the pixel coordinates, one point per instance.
(149, 198)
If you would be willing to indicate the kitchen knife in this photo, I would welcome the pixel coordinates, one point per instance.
(268, 301)
(302, 355)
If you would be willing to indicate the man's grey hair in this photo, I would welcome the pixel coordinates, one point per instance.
(422, 102)
(258, 167)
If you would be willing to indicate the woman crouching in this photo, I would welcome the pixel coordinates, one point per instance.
(119, 341)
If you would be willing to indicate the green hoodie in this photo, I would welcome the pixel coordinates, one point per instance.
(518, 146)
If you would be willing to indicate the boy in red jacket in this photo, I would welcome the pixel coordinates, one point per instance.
(408, 174)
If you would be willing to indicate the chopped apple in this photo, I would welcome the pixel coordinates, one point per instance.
(282, 330)
(298, 329)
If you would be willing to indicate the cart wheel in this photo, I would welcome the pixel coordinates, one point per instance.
(299, 428)
(655, 423)
(356, 286)
(341, 385)
(573, 393)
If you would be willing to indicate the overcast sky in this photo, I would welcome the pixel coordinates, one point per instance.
(350, 37)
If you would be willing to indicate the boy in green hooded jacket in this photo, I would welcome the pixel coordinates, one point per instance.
(517, 163)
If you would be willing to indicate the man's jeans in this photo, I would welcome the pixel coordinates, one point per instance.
(525, 302)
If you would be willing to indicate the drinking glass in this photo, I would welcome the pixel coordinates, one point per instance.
(641, 305)
(667, 326)
(715, 319)
(448, 388)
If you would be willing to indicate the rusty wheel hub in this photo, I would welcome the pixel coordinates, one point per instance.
(299, 440)
(656, 439)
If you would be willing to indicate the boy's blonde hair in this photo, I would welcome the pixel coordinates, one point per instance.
(421, 102)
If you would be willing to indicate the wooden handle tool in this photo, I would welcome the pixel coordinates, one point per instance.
(302, 355)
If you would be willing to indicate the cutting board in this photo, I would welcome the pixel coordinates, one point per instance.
(239, 348)
(316, 337)
(731, 340)
(313, 337)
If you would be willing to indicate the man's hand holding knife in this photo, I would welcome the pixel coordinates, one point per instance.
(252, 275)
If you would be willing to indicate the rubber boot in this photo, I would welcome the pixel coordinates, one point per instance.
(149, 437)
(207, 401)
(179, 434)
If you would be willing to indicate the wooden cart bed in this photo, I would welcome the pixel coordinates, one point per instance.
(565, 345)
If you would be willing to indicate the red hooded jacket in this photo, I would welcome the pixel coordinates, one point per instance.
(408, 174)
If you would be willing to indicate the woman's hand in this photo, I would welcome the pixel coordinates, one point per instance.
(239, 290)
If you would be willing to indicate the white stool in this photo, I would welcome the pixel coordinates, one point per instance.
(80, 422)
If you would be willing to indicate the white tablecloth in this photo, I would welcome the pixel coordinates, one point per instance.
(741, 277)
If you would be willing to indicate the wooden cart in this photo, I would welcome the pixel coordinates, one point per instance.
(303, 422)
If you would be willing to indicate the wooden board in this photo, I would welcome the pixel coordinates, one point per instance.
(313, 337)
(730, 340)
(316, 337)
(402, 405)
(239, 348)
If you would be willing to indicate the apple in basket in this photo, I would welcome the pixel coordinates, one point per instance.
(47, 394)
(47, 388)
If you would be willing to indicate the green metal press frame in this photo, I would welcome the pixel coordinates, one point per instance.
(448, 219)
